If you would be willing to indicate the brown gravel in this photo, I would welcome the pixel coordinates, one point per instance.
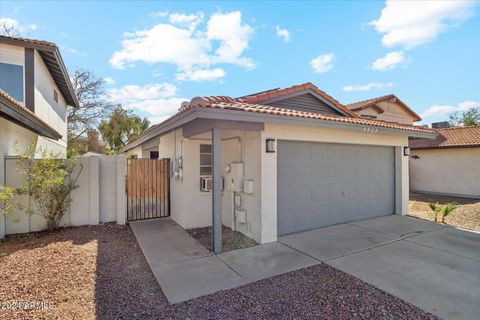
(466, 216)
(231, 240)
(99, 272)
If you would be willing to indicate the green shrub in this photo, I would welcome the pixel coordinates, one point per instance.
(47, 181)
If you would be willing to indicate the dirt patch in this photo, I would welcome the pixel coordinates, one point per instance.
(466, 216)
(231, 240)
(99, 272)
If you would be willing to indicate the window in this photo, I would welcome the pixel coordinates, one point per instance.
(11, 80)
(205, 160)
(153, 154)
(55, 95)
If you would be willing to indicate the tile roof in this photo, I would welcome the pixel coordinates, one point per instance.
(31, 41)
(360, 105)
(274, 93)
(245, 104)
(28, 112)
(454, 137)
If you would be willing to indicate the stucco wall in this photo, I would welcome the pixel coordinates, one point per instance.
(192, 208)
(288, 132)
(446, 171)
(45, 107)
(394, 112)
(100, 196)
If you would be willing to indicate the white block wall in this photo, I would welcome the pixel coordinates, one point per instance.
(99, 198)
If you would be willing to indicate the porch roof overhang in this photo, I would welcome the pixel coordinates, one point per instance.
(225, 119)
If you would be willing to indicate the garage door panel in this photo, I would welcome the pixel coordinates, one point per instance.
(321, 184)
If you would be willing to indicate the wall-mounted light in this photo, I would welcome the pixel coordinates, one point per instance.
(406, 151)
(270, 145)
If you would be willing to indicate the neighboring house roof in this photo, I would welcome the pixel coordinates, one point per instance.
(455, 137)
(263, 96)
(14, 111)
(264, 112)
(361, 105)
(50, 54)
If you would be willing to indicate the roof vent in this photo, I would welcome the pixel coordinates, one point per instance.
(440, 125)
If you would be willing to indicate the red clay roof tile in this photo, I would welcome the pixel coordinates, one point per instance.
(455, 137)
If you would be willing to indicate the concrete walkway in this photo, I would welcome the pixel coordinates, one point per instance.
(186, 270)
(434, 267)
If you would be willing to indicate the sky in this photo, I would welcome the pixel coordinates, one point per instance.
(155, 54)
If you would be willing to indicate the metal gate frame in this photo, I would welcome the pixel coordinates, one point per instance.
(148, 195)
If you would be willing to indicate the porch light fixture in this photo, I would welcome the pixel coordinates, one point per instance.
(406, 151)
(270, 145)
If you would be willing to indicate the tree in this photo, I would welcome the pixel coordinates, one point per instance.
(471, 117)
(121, 128)
(9, 29)
(94, 105)
(48, 182)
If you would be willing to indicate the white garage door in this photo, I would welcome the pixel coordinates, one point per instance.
(321, 184)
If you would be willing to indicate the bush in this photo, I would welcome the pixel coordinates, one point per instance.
(48, 182)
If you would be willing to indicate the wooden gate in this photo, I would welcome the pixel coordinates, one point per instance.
(148, 189)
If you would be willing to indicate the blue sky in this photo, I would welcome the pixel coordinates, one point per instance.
(156, 54)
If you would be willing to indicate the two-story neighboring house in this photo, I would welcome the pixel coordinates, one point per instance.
(387, 108)
(35, 90)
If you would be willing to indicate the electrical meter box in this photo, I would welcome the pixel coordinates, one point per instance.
(234, 177)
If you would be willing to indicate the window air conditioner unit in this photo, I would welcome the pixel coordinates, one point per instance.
(206, 184)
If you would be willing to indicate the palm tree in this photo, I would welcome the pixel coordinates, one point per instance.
(435, 208)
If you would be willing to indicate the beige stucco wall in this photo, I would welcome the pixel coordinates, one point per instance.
(100, 196)
(192, 208)
(298, 133)
(45, 107)
(446, 171)
(393, 111)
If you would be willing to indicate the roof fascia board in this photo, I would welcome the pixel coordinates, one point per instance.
(259, 117)
(304, 91)
(15, 115)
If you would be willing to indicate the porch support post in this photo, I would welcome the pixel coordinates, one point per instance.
(217, 189)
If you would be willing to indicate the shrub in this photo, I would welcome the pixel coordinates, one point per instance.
(48, 182)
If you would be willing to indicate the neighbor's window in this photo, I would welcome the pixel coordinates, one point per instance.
(205, 160)
(55, 95)
(11, 80)
(154, 154)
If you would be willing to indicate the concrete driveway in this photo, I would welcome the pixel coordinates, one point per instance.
(434, 267)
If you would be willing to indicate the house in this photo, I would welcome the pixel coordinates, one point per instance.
(449, 164)
(35, 90)
(90, 143)
(290, 160)
(388, 108)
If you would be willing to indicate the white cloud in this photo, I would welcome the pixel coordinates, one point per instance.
(368, 86)
(283, 33)
(10, 23)
(443, 110)
(189, 43)
(160, 100)
(200, 74)
(159, 14)
(390, 61)
(109, 80)
(413, 23)
(323, 63)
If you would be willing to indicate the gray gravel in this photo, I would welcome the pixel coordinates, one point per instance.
(106, 263)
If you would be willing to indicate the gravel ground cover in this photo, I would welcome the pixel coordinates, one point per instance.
(466, 216)
(99, 272)
(231, 240)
